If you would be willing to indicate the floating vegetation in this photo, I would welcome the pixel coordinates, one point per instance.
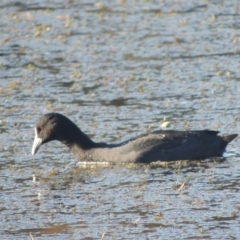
(30, 66)
(132, 78)
(122, 2)
(14, 85)
(165, 123)
(67, 22)
(213, 18)
(39, 30)
(49, 106)
(13, 168)
(103, 135)
(132, 166)
(102, 7)
(77, 74)
(158, 216)
(186, 163)
(140, 87)
(183, 22)
(53, 172)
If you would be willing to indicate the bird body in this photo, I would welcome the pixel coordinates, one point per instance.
(164, 145)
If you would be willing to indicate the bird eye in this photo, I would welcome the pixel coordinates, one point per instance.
(40, 128)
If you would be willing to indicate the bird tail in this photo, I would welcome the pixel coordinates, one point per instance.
(229, 138)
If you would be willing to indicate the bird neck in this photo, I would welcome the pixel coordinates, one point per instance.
(71, 135)
(81, 145)
(78, 139)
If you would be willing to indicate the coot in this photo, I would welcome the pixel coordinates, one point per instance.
(164, 145)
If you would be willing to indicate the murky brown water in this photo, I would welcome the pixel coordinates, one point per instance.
(117, 68)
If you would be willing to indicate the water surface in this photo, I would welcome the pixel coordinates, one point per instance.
(117, 69)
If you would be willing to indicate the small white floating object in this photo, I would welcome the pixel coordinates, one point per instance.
(34, 178)
(91, 164)
(39, 196)
(165, 123)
